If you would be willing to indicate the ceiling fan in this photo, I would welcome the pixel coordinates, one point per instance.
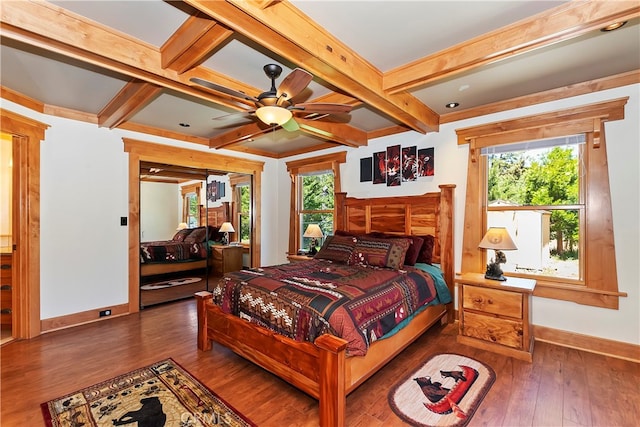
(276, 107)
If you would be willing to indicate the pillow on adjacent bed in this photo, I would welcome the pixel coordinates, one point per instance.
(380, 252)
(181, 234)
(337, 248)
(197, 235)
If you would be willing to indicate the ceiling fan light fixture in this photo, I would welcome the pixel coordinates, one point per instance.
(273, 115)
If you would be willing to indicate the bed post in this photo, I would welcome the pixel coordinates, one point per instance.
(339, 212)
(332, 398)
(447, 242)
(204, 343)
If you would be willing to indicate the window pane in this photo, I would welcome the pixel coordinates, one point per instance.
(317, 191)
(545, 248)
(324, 220)
(547, 176)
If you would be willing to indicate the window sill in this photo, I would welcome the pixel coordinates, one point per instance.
(579, 294)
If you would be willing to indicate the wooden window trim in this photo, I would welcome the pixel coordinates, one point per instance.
(600, 286)
(303, 166)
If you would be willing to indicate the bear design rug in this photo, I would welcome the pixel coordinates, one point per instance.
(161, 394)
(444, 391)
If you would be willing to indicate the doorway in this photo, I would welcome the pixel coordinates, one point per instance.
(141, 152)
(6, 238)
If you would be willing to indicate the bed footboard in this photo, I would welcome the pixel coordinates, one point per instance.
(318, 370)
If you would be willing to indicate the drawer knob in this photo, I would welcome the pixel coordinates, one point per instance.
(5, 288)
(5, 266)
(5, 311)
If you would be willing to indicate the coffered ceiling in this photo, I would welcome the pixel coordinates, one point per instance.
(129, 64)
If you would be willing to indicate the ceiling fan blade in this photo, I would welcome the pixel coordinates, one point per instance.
(323, 108)
(222, 89)
(293, 84)
(290, 125)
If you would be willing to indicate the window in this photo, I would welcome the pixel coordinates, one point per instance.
(534, 191)
(244, 213)
(314, 182)
(316, 202)
(191, 204)
(571, 204)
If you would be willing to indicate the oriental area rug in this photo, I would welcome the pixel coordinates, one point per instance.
(161, 394)
(444, 391)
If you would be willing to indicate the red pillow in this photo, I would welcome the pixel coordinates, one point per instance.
(426, 252)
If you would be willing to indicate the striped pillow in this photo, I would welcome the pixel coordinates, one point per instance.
(337, 249)
(377, 252)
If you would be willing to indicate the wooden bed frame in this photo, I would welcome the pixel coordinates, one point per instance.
(211, 216)
(322, 369)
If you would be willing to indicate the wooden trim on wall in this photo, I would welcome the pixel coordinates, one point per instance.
(89, 316)
(617, 349)
(140, 151)
(27, 137)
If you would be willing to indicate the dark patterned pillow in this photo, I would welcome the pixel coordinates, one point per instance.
(380, 252)
(198, 235)
(337, 248)
(414, 247)
(181, 234)
(426, 253)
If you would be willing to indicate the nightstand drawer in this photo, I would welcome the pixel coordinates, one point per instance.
(492, 329)
(493, 301)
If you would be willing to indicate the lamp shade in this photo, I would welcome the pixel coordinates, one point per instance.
(313, 230)
(497, 238)
(226, 227)
(182, 226)
(273, 115)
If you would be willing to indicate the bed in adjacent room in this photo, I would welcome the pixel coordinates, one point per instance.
(189, 248)
(327, 324)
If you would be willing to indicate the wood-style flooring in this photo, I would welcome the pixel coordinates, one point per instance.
(562, 387)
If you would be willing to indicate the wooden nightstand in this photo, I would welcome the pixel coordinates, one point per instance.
(496, 315)
(294, 258)
(226, 259)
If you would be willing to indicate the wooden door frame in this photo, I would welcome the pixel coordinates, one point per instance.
(27, 135)
(141, 151)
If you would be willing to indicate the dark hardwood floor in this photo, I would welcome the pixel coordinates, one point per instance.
(562, 387)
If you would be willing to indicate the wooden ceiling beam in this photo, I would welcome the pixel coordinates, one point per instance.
(196, 38)
(286, 31)
(134, 96)
(237, 135)
(339, 133)
(30, 23)
(564, 22)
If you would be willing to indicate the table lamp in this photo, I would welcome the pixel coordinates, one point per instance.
(498, 239)
(181, 226)
(313, 231)
(226, 228)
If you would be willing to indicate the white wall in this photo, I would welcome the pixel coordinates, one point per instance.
(84, 248)
(159, 211)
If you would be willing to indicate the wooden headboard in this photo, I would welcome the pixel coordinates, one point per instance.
(430, 213)
(214, 216)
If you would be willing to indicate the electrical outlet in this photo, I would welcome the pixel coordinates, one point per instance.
(123, 220)
(104, 313)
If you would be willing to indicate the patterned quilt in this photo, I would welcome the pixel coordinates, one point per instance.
(171, 251)
(304, 300)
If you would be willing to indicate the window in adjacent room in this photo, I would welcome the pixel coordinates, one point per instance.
(191, 204)
(244, 213)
